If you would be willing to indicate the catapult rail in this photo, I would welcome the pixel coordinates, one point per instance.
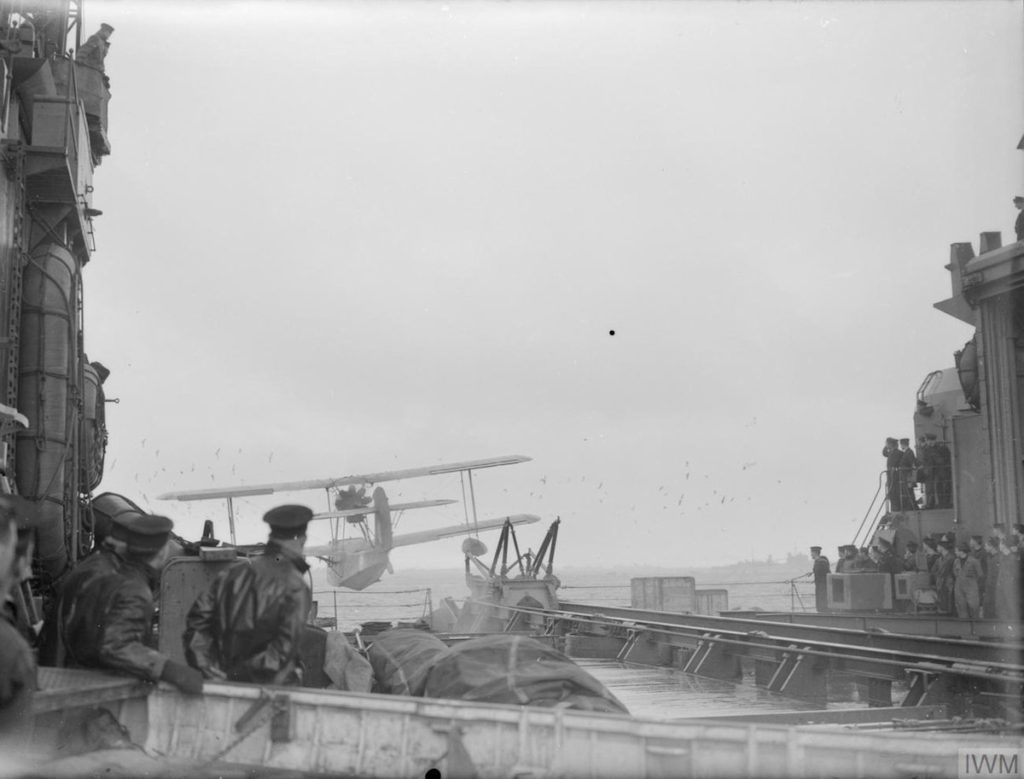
(791, 662)
(925, 647)
(934, 625)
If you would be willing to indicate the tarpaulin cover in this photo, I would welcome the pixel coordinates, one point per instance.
(516, 669)
(346, 668)
(402, 658)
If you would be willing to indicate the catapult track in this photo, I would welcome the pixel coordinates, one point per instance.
(794, 660)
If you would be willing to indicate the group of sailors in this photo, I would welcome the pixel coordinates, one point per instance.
(247, 626)
(929, 471)
(977, 578)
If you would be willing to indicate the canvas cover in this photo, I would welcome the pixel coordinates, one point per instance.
(401, 659)
(344, 666)
(516, 669)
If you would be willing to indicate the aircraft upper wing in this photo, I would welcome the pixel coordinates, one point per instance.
(417, 504)
(423, 536)
(342, 481)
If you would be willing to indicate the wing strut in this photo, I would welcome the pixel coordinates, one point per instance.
(465, 503)
(472, 500)
(231, 519)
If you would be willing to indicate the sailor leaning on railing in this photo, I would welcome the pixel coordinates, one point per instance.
(102, 617)
(18, 520)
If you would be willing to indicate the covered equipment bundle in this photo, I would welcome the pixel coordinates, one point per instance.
(516, 669)
(402, 658)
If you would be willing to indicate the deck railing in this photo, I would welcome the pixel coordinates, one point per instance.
(349, 608)
(795, 594)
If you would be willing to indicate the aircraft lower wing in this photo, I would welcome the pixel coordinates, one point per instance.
(423, 536)
(342, 481)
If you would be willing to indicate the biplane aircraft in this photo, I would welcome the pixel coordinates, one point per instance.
(359, 561)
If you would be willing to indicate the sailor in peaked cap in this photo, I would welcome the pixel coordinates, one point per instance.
(820, 569)
(248, 625)
(104, 615)
(18, 522)
(288, 521)
(25, 515)
(94, 51)
(142, 534)
(19, 518)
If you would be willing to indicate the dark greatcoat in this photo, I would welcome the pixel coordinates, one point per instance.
(908, 475)
(928, 465)
(250, 621)
(821, 570)
(967, 587)
(944, 578)
(1008, 588)
(17, 680)
(943, 476)
(982, 558)
(892, 477)
(988, 595)
(104, 618)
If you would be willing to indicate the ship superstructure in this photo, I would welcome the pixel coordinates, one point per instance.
(53, 135)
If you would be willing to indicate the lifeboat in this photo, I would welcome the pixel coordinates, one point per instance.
(94, 427)
(46, 379)
(967, 370)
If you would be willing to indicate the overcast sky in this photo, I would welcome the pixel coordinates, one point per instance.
(348, 237)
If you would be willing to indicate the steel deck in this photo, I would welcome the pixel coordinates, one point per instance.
(936, 625)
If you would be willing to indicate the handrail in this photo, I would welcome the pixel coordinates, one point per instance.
(925, 383)
(933, 499)
(856, 536)
(879, 514)
(701, 585)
